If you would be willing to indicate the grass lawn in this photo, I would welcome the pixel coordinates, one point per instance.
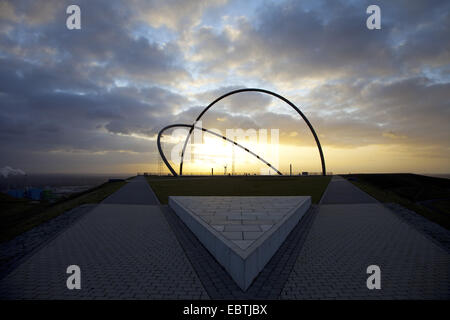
(409, 190)
(313, 186)
(20, 215)
(442, 205)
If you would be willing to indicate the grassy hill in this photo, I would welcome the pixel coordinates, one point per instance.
(20, 215)
(313, 186)
(428, 196)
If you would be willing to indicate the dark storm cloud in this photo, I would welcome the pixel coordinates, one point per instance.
(376, 87)
(174, 14)
(289, 42)
(93, 91)
(105, 49)
(239, 103)
(41, 118)
(216, 118)
(57, 90)
(413, 111)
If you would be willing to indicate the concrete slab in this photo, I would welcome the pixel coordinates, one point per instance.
(242, 233)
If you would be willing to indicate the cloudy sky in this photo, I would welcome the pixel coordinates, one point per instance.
(92, 100)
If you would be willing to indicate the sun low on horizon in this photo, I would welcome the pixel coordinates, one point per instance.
(93, 98)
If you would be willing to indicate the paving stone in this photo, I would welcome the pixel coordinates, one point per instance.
(260, 222)
(252, 235)
(348, 237)
(123, 251)
(220, 228)
(241, 227)
(243, 244)
(325, 261)
(265, 227)
(13, 252)
(235, 217)
(232, 235)
(137, 191)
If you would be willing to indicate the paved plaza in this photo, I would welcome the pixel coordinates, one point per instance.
(130, 247)
(124, 251)
(345, 239)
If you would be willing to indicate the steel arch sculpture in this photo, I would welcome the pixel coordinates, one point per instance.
(166, 162)
(193, 126)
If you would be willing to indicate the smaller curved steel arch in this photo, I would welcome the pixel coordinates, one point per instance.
(164, 159)
(322, 159)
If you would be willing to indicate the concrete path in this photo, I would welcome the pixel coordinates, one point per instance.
(341, 191)
(346, 238)
(137, 191)
(130, 251)
(124, 252)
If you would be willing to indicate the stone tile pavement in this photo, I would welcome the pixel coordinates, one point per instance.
(141, 251)
(345, 239)
(13, 252)
(124, 252)
(340, 191)
(136, 191)
(433, 231)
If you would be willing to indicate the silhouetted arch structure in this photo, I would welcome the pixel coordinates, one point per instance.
(211, 132)
(193, 126)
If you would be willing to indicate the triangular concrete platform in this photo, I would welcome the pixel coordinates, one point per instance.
(242, 233)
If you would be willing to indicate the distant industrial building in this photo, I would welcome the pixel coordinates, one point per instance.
(16, 193)
(36, 194)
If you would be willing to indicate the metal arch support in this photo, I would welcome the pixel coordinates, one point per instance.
(163, 157)
(322, 159)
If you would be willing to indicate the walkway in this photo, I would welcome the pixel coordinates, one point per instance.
(137, 191)
(124, 251)
(341, 191)
(357, 232)
(129, 248)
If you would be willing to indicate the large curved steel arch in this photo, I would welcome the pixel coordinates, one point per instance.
(262, 91)
(163, 156)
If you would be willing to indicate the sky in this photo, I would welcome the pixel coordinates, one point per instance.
(93, 100)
